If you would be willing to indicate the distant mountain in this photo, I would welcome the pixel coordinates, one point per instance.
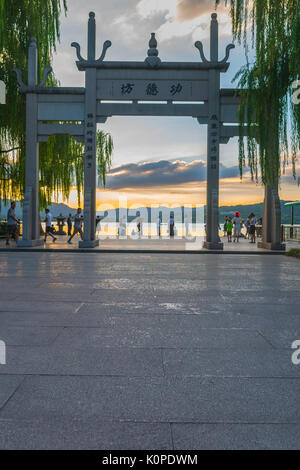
(56, 209)
(245, 210)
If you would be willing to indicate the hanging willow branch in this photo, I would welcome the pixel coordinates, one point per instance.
(272, 28)
(61, 158)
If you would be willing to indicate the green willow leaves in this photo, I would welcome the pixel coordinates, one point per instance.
(61, 158)
(272, 28)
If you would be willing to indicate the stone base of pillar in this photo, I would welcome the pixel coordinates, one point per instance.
(213, 246)
(271, 246)
(88, 243)
(29, 243)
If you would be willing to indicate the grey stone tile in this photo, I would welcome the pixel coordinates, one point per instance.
(122, 306)
(28, 336)
(228, 436)
(27, 360)
(130, 333)
(211, 400)
(25, 319)
(282, 338)
(111, 398)
(259, 321)
(137, 362)
(8, 385)
(93, 434)
(245, 363)
(39, 306)
(233, 400)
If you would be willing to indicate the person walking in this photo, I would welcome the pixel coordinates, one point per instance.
(77, 226)
(186, 223)
(247, 227)
(229, 226)
(237, 226)
(70, 225)
(158, 226)
(252, 228)
(12, 223)
(225, 225)
(172, 223)
(48, 220)
(98, 225)
(140, 226)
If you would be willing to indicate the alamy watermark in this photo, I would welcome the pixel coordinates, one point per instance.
(184, 222)
(2, 92)
(296, 353)
(2, 353)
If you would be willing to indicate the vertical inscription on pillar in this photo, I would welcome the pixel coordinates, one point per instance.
(213, 141)
(89, 139)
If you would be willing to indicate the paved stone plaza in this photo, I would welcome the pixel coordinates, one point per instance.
(146, 244)
(149, 351)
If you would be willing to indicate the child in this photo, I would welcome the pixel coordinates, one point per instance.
(237, 226)
(229, 226)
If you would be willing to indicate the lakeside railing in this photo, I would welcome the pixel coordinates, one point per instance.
(290, 233)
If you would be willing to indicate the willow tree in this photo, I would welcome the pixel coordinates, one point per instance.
(272, 29)
(61, 158)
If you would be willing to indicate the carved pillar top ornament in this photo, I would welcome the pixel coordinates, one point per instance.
(153, 60)
(32, 71)
(91, 52)
(214, 45)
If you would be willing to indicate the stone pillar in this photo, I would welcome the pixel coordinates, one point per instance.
(31, 211)
(271, 236)
(213, 143)
(90, 181)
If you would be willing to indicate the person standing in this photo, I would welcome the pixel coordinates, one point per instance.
(225, 225)
(140, 226)
(237, 226)
(77, 226)
(70, 224)
(172, 223)
(98, 226)
(158, 225)
(12, 223)
(48, 220)
(252, 227)
(229, 226)
(186, 223)
(247, 227)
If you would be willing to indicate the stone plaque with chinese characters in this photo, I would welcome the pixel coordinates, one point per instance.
(152, 90)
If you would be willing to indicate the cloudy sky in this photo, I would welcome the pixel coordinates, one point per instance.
(159, 160)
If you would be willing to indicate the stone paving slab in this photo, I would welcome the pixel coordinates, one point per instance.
(241, 363)
(8, 385)
(192, 399)
(236, 436)
(159, 337)
(38, 306)
(29, 336)
(93, 434)
(90, 361)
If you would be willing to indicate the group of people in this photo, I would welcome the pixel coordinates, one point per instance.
(78, 223)
(139, 226)
(235, 224)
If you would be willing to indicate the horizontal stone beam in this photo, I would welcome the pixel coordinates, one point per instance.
(170, 66)
(152, 109)
(153, 90)
(63, 111)
(60, 129)
(227, 132)
(53, 90)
